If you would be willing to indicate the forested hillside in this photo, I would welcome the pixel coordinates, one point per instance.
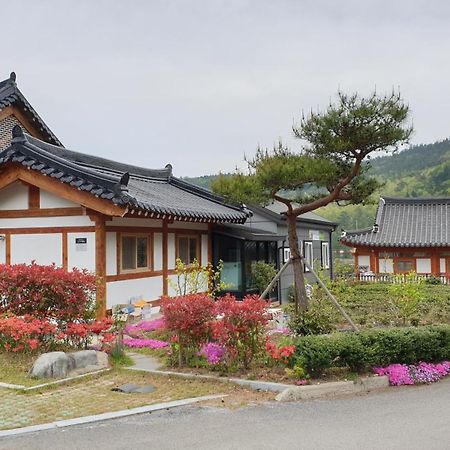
(419, 171)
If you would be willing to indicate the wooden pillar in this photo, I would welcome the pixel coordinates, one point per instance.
(100, 265)
(64, 250)
(8, 248)
(34, 197)
(373, 261)
(210, 243)
(435, 263)
(165, 257)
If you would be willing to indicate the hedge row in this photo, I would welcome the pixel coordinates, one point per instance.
(371, 348)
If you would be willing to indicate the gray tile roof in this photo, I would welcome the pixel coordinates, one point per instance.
(153, 193)
(11, 95)
(406, 222)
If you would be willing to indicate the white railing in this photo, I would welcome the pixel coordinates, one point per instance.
(400, 278)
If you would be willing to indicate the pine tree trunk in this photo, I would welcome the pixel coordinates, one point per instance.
(301, 299)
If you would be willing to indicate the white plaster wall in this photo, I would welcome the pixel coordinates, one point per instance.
(386, 265)
(126, 291)
(111, 253)
(157, 251)
(441, 265)
(43, 248)
(171, 250)
(173, 282)
(37, 222)
(2, 251)
(188, 225)
(131, 222)
(80, 255)
(204, 252)
(14, 196)
(49, 200)
(423, 265)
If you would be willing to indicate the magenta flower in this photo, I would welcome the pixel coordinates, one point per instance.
(144, 343)
(146, 326)
(213, 353)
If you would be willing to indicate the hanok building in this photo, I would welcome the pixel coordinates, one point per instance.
(409, 235)
(126, 224)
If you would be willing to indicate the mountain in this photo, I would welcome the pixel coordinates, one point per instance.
(418, 171)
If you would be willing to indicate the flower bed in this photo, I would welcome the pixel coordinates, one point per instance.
(422, 373)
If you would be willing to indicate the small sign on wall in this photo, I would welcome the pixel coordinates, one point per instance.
(81, 244)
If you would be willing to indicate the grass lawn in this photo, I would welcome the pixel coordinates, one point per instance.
(14, 368)
(94, 396)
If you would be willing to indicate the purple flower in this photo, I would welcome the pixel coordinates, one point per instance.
(146, 326)
(147, 343)
(212, 352)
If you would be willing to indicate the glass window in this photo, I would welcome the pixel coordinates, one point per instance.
(405, 266)
(134, 252)
(308, 254)
(187, 249)
(325, 255)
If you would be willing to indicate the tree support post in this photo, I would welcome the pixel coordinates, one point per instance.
(275, 278)
(331, 296)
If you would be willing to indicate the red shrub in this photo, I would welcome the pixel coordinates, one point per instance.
(25, 333)
(45, 291)
(241, 327)
(282, 353)
(189, 318)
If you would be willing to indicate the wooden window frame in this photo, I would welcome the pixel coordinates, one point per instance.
(149, 267)
(198, 246)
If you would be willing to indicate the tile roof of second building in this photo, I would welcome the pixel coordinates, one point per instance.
(406, 222)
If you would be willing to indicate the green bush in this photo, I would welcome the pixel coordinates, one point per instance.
(319, 318)
(375, 347)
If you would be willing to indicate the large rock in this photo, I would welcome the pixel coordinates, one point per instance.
(52, 365)
(63, 365)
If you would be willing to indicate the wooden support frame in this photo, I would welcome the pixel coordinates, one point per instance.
(100, 265)
(165, 257)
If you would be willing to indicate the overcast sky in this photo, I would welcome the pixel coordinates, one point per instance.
(200, 83)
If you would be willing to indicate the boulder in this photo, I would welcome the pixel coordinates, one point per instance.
(52, 365)
(63, 365)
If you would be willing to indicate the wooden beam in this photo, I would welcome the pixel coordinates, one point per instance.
(210, 243)
(13, 173)
(44, 230)
(165, 257)
(43, 212)
(100, 265)
(34, 197)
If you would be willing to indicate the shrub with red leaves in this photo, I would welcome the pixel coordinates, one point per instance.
(46, 291)
(189, 318)
(25, 333)
(241, 327)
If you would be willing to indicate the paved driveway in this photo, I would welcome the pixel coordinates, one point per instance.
(402, 418)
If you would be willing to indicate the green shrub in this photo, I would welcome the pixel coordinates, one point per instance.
(262, 274)
(319, 318)
(375, 347)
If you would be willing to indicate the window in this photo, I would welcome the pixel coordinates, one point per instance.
(308, 254)
(188, 249)
(325, 255)
(405, 265)
(134, 253)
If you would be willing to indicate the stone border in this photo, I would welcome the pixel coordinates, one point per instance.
(288, 392)
(257, 385)
(108, 416)
(19, 387)
(336, 388)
